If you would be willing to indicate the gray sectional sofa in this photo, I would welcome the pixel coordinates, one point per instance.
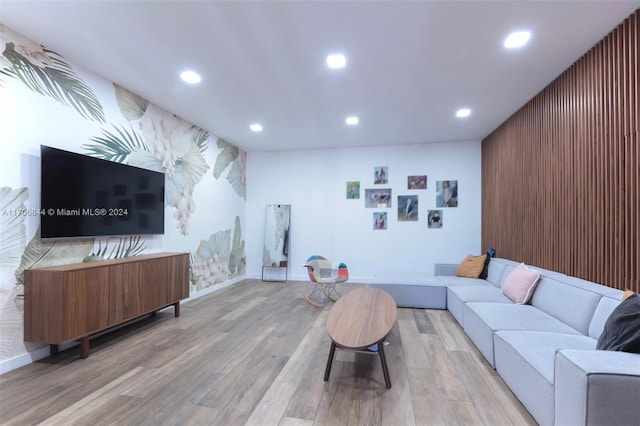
(545, 351)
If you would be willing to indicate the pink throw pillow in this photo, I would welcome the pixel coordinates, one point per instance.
(520, 283)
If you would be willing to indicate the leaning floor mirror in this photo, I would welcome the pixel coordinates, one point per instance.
(275, 254)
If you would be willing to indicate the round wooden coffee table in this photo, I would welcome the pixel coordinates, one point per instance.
(358, 320)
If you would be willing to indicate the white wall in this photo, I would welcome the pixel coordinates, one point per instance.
(324, 222)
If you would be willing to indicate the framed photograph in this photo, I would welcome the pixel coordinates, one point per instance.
(407, 208)
(434, 219)
(417, 182)
(353, 190)
(377, 198)
(447, 193)
(381, 175)
(380, 220)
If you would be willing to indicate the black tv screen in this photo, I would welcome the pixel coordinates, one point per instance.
(82, 196)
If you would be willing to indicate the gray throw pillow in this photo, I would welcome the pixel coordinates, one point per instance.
(622, 329)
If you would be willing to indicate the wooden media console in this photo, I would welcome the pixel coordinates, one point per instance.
(72, 302)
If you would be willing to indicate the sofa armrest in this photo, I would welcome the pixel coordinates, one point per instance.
(445, 268)
(596, 387)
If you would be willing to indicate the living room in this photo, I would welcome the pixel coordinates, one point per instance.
(227, 188)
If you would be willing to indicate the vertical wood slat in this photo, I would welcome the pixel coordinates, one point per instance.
(561, 177)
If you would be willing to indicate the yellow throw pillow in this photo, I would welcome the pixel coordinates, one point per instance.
(471, 266)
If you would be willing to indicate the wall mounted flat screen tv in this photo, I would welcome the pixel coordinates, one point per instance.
(82, 196)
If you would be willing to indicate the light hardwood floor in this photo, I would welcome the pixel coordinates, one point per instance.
(254, 353)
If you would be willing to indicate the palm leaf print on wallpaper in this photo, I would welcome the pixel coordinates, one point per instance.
(13, 238)
(231, 155)
(160, 141)
(46, 73)
(218, 259)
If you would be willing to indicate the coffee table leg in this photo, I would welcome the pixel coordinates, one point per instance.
(385, 369)
(329, 361)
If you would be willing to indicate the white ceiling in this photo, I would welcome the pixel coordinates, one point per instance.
(410, 64)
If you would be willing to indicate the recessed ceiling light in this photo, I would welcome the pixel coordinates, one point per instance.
(190, 77)
(352, 121)
(463, 112)
(517, 39)
(336, 61)
(256, 127)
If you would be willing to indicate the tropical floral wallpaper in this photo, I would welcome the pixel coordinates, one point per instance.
(204, 175)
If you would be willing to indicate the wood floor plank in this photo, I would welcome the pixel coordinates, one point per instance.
(450, 384)
(423, 321)
(335, 403)
(254, 353)
(364, 410)
(414, 354)
(396, 403)
(449, 330)
(304, 402)
(201, 416)
(90, 402)
(462, 413)
(487, 390)
(272, 406)
(290, 421)
(425, 396)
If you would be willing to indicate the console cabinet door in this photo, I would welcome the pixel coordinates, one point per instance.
(85, 302)
(179, 277)
(123, 302)
(153, 284)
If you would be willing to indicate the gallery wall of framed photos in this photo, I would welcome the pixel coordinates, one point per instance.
(408, 205)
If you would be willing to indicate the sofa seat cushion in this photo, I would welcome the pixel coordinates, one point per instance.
(479, 294)
(509, 316)
(538, 348)
(525, 361)
(456, 281)
(458, 295)
(482, 319)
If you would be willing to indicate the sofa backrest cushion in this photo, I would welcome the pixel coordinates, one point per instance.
(498, 269)
(606, 305)
(573, 306)
(589, 285)
(495, 270)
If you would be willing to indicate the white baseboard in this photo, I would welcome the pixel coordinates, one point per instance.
(43, 352)
(213, 289)
(29, 357)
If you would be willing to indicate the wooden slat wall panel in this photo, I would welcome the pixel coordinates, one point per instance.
(561, 177)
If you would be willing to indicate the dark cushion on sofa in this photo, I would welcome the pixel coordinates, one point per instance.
(622, 329)
(485, 271)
